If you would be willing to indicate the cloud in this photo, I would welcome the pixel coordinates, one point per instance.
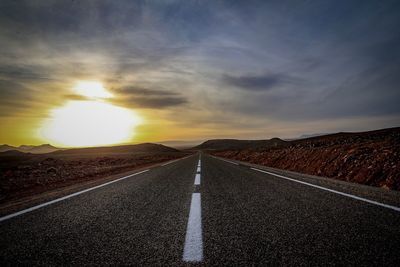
(17, 72)
(155, 102)
(76, 97)
(135, 91)
(258, 82)
(14, 98)
(138, 97)
(302, 61)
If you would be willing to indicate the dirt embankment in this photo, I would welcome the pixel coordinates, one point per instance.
(23, 175)
(370, 158)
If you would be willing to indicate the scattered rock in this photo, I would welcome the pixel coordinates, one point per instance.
(367, 158)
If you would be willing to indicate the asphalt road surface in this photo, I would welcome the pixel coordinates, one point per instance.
(208, 212)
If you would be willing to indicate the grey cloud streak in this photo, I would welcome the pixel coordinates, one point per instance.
(259, 82)
(138, 97)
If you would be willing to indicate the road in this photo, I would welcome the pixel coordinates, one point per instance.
(227, 214)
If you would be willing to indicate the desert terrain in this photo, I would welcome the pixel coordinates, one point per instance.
(27, 174)
(369, 158)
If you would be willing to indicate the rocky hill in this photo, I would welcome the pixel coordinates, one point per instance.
(45, 148)
(6, 147)
(371, 158)
(226, 144)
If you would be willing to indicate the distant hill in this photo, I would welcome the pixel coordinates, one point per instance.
(5, 147)
(146, 147)
(13, 152)
(304, 136)
(228, 144)
(342, 138)
(40, 149)
(179, 144)
(310, 141)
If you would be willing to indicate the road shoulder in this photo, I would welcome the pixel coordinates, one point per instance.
(389, 197)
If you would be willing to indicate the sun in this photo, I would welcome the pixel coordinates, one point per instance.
(90, 122)
(91, 89)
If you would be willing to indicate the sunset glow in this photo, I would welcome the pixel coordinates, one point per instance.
(91, 89)
(90, 122)
(197, 70)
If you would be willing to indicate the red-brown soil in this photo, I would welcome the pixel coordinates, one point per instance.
(23, 175)
(370, 158)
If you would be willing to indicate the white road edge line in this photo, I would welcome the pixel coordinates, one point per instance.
(193, 249)
(169, 162)
(12, 215)
(231, 162)
(165, 164)
(227, 161)
(332, 191)
(197, 179)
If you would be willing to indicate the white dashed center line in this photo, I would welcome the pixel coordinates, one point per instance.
(193, 250)
(197, 179)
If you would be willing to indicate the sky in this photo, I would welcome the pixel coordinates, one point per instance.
(195, 70)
